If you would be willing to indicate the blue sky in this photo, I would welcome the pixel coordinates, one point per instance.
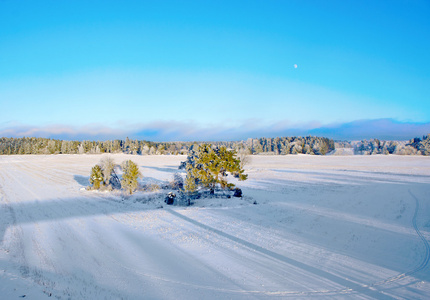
(214, 70)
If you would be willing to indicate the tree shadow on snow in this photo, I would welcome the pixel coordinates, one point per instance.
(152, 180)
(169, 169)
(82, 180)
(30, 212)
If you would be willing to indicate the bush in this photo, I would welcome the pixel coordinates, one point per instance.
(178, 182)
(152, 187)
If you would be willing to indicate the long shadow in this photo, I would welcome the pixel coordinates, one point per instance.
(69, 208)
(391, 174)
(81, 207)
(169, 169)
(61, 209)
(348, 284)
(82, 180)
(358, 177)
(152, 180)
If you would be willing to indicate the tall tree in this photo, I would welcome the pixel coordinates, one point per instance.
(208, 166)
(96, 177)
(130, 175)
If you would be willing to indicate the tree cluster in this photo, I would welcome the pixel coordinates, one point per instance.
(421, 145)
(416, 146)
(208, 166)
(290, 145)
(103, 176)
(282, 146)
(27, 145)
(276, 146)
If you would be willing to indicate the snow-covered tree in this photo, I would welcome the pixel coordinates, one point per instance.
(107, 164)
(177, 182)
(208, 166)
(243, 155)
(130, 175)
(190, 185)
(81, 149)
(96, 177)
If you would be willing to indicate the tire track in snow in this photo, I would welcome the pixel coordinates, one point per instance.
(420, 267)
(40, 270)
(426, 258)
(26, 267)
(350, 286)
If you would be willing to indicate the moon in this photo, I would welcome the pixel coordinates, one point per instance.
(295, 66)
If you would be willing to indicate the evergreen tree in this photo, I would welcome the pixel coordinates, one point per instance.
(130, 175)
(208, 166)
(190, 185)
(96, 177)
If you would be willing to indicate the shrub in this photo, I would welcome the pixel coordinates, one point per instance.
(152, 187)
(178, 182)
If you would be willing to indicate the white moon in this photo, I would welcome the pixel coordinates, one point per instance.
(295, 66)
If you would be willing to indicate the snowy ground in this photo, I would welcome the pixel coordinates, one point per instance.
(330, 227)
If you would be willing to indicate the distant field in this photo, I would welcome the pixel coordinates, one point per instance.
(331, 227)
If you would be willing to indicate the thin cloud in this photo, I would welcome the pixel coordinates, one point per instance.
(59, 131)
(384, 129)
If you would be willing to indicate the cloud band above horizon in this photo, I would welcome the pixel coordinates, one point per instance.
(384, 129)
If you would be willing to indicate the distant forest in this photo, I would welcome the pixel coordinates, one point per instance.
(269, 146)
(415, 146)
(275, 146)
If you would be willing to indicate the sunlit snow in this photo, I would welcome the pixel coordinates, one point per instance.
(331, 227)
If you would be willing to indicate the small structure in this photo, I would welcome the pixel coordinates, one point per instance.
(170, 198)
(237, 192)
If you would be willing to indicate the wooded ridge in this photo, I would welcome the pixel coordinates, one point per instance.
(276, 146)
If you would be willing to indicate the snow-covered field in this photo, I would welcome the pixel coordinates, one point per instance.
(330, 227)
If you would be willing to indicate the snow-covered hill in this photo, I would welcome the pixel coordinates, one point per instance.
(330, 227)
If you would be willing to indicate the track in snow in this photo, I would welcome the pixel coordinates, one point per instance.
(69, 219)
(350, 286)
(426, 259)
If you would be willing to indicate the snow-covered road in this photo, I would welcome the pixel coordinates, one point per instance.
(324, 227)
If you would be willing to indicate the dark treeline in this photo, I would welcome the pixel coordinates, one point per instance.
(275, 146)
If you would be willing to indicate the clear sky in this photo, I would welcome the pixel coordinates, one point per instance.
(214, 70)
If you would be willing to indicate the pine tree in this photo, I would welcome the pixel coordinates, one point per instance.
(130, 175)
(190, 185)
(96, 177)
(208, 166)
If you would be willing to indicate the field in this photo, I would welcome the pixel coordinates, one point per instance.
(331, 227)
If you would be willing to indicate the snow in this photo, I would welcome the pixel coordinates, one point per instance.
(329, 227)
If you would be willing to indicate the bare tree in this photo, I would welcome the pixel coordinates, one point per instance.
(244, 156)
